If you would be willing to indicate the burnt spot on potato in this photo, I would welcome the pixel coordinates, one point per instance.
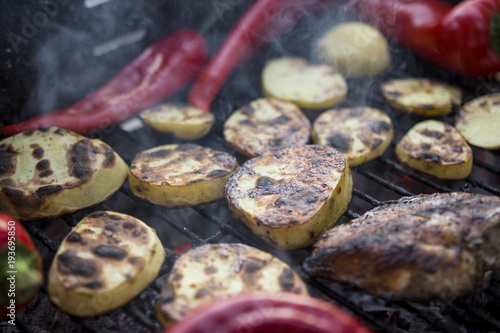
(109, 157)
(108, 251)
(187, 147)
(43, 165)
(159, 153)
(217, 173)
(38, 152)
(340, 141)
(265, 182)
(283, 119)
(210, 270)
(75, 237)
(287, 280)
(70, 263)
(380, 127)
(8, 160)
(432, 134)
(49, 189)
(79, 158)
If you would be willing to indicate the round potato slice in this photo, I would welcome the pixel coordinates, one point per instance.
(292, 196)
(437, 149)
(479, 121)
(421, 96)
(266, 125)
(306, 85)
(185, 122)
(360, 134)
(355, 49)
(51, 172)
(181, 175)
(216, 271)
(104, 262)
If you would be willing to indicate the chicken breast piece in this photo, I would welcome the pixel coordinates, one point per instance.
(421, 247)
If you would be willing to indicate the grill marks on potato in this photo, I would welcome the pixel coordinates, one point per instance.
(214, 271)
(360, 134)
(266, 125)
(41, 171)
(288, 198)
(186, 174)
(105, 251)
(421, 96)
(436, 148)
(306, 85)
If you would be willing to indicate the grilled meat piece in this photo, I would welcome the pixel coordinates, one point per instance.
(421, 247)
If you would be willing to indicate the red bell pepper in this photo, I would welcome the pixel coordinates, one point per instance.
(159, 71)
(464, 38)
(21, 268)
(269, 313)
(261, 23)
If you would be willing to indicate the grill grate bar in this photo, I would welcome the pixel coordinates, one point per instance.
(385, 183)
(481, 184)
(486, 166)
(366, 197)
(140, 317)
(40, 235)
(459, 304)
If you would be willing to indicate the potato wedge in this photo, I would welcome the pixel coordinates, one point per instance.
(307, 85)
(355, 49)
(292, 196)
(216, 271)
(421, 96)
(266, 125)
(360, 134)
(437, 149)
(185, 122)
(181, 175)
(104, 262)
(479, 121)
(51, 172)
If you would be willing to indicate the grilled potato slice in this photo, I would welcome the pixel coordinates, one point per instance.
(355, 49)
(360, 134)
(104, 262)
(185, 122)
(292, 196)
(51, 172)
(266, 125)
(307, 85)
(436, 148)
(421, 96)
(181, 175)
(215, 271)
(479, 120)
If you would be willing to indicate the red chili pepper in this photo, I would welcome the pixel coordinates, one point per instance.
(461, 38)
(159, 71)
(21, 268)
(269, 313)
(263, 21)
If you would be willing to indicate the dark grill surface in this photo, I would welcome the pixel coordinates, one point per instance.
(377, 181)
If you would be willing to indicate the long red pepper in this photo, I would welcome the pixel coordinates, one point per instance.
(460, 38)
(159, 71)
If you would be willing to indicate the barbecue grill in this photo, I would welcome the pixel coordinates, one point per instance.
(180, 229)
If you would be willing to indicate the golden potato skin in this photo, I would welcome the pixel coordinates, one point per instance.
(421, 96)
(436, 148)
(290, 197)
(104, 262)
(266, 125)
(479, 121)
(360, 134)
(355, 49)
(51, 172)
(311, 86)
(181, 174)
(185, 122)
(215, 271)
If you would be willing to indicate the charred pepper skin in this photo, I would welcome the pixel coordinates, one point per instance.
(21, 266)
(461, 38)
(157, 73)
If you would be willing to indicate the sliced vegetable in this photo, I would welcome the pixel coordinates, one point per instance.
(270, 312)
(479, 121)
(307, 85)
(354, 49)
(159, 71)
(21, 267)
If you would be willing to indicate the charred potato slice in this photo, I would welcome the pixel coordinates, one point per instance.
(292, 196)
(104, 262)
(479, 121)
(355, 49)
(266, 125)
(436, 148)
(215, 271)
(421, 96)
(360, 134)
(181, 175)
(51, 172)
(185, 122)
(307, 85)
